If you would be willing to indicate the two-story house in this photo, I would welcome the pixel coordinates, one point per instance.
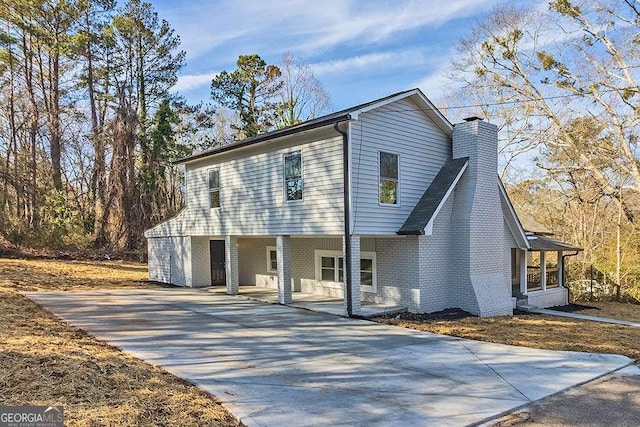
(385, 202)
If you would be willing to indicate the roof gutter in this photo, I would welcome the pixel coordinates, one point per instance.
(346, 169)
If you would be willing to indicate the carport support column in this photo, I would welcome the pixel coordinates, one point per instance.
(231, 264)
(283, 256)
(355, 275)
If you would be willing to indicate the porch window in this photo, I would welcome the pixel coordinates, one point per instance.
(293, 183)
(330, 268)
(214, 188)
(536, 272)
(272, 259)
(389, 178)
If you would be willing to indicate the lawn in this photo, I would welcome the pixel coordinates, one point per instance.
(613, 310)
(45, 361)
(539, 331)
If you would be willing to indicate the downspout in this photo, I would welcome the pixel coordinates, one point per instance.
(347, 214)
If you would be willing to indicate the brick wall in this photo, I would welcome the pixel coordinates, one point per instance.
(436, 261)
(398, 278)
(252, 259)
(548, 298)
(480, 285)
(303, 263)
(200, 264)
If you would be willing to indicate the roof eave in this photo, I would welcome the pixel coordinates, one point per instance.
(519, 229)
(264, 138)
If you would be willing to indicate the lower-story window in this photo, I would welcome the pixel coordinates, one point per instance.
(330, 268)
(272, 259)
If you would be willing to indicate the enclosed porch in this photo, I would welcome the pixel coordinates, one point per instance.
(538, 274)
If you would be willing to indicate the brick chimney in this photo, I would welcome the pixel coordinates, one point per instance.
(481, 263)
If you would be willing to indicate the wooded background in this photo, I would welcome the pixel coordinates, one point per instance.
(89, 126)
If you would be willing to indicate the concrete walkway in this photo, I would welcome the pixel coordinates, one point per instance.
(275, 365)
(582, 316)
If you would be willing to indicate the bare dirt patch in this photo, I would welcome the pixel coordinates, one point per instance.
(45, 361)
(531, 330)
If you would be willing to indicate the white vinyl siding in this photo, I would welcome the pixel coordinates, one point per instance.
(159, 256)
(253, 201)
(330, 268)
(400, 128)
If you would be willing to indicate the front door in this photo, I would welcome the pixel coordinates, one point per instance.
(216, 255)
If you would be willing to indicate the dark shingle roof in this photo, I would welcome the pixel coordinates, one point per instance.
(530, 225)
(432, 198)
(541, 243)
(328, 119)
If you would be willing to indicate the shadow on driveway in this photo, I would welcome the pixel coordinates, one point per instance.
(277, 365)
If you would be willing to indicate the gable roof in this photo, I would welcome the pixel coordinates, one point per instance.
(512, 218)
(530, 224)
(420, 220)
(330, 119)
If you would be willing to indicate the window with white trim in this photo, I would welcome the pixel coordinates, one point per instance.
(293, 182)
(272, 259)
(214, 188)
(389, 178)
(330, 268)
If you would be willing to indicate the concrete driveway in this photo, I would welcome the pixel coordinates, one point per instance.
(275, 365)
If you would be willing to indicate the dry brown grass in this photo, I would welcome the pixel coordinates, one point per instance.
(537, 331)
(45, 361)
(614, 310)
(57, 275)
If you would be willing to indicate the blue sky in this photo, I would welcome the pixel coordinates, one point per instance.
(359, 49)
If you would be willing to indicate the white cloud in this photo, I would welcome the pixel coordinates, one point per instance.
(282, 25)
(374, 21)
(193, 81)
(387, 59)
(369, 39)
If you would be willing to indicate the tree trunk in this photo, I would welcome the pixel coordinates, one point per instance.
(54, 120)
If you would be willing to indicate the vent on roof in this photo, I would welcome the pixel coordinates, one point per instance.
(472, 119)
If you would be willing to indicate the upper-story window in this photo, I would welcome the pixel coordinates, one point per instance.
(293, 183)
(389, 178)
(214, 188)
